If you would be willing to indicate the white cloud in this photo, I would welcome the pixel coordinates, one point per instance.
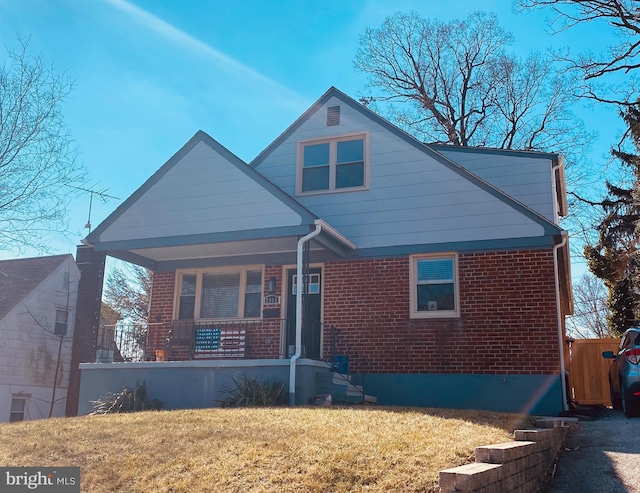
(196, 46)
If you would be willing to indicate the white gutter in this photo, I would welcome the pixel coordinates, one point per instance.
(563, 383)
(298, 353)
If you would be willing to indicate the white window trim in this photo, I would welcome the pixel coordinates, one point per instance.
(218, 270)
(413, 282)
(25, 412)
(66, 331)
(332, 163)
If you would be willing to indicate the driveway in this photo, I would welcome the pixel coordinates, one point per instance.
(603, 455)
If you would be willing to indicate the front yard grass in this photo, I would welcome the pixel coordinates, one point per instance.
(259, 450)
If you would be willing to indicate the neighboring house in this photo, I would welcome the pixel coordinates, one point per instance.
(439, 273)
(37, 312)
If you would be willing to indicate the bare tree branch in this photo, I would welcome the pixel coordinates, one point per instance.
(37, 155)
(623, 17)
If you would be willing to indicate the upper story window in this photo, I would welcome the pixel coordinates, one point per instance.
(62, 319)
(332, 164)
(220, 294)
(434, 286)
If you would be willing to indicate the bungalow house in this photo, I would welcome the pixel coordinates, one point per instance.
(37, 311)
(435, 275)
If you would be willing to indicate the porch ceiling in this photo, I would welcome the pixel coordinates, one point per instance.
(173, 255)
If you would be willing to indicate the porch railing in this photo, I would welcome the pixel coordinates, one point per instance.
(181, 340)
(206, 340)
(121, 342)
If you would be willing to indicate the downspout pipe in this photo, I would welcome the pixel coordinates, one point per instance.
(298, 353)
(563, 382)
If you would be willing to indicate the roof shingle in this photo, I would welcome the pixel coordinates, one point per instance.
(18, 277)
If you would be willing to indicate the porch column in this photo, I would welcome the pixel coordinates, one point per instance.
(85, 332)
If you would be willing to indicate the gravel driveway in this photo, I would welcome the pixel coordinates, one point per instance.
(603, 455)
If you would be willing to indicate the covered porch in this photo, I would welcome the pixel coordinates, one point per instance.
(236, 262)
(214, 298)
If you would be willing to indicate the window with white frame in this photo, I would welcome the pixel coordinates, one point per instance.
(62, 318)
(332, 164)
(434, 286)
(220, 294)
(18, 409)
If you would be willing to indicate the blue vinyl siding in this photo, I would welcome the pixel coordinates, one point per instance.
(412, 198)
(527, 179)
(202, 193)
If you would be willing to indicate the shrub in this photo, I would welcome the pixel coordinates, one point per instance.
(254, 392)
(128, 400)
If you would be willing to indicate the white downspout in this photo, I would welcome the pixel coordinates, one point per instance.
(563, 383)
(296, 356)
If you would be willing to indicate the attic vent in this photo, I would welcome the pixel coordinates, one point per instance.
(333, 115)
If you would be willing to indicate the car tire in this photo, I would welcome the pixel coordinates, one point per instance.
(616, 401)
(630, 407)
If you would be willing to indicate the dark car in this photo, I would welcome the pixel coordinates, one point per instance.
(624, 374)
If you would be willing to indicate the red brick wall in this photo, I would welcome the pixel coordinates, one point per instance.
(507, 322)
(160, 310)
(262, 339)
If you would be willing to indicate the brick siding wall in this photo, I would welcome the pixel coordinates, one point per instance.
(160, 310)
(507, 320)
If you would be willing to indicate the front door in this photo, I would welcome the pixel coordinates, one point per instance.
(311, 324)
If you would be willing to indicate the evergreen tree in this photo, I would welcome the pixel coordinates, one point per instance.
(616, 257)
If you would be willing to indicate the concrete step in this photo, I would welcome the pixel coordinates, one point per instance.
(340, 388)
(333, 377)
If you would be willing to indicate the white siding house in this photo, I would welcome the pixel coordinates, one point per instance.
(37, 312)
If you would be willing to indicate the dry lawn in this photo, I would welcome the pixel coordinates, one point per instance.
(258, 450)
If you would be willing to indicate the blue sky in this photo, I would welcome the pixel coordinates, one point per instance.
(150, 74)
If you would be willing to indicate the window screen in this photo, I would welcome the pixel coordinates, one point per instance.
(220, 295)
(186, 309)
(315, 173)
(253, 294)
(435, 285)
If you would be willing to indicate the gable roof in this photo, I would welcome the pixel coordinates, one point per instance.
(19, 277)
(202, 137)
(549, 227)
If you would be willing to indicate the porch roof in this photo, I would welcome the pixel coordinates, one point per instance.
(270, 246)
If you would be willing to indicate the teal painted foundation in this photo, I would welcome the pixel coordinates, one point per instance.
(529, 394)
(198, 384)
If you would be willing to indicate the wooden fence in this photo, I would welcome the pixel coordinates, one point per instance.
(588, 370)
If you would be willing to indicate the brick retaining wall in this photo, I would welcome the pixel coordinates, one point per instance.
(520, 466)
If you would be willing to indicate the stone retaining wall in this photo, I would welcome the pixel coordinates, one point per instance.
(519, 466)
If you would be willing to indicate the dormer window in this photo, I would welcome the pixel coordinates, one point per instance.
(332, 165)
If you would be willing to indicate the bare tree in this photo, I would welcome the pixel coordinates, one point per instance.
(456, 83)
(623, 17)
(37, 155)
(590, 309)
(128, 292)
